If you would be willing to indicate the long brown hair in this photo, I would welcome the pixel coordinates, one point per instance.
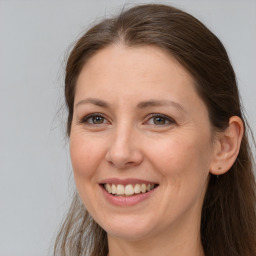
(228, 223)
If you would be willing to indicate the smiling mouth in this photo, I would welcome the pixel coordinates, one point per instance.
(129, 189)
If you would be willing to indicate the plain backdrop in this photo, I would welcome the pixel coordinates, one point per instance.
(35, 36)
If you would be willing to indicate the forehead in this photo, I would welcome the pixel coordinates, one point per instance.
(124, 77)
(121, 67)
(121, 74)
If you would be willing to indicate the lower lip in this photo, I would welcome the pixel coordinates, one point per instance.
(126, 200)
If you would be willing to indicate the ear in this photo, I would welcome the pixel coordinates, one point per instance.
(227, 146)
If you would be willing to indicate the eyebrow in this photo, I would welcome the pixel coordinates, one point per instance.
(159, 103)
(141, 105)
(93, 101)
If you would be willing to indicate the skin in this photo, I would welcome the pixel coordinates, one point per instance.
(177, 151)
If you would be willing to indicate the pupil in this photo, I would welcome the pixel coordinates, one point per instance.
(159, 120)
(97, 119)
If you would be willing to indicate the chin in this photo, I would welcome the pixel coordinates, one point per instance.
(128, 229)
(129, 235)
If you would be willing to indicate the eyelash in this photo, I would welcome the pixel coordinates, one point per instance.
(167, 119)
(85, 119)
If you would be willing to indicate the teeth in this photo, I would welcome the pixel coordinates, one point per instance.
(143, 188)
(128, 190)
(108, 188)
(113, 190)
(137, 189)
(119, 190)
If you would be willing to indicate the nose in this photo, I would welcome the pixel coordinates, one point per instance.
(124, 151)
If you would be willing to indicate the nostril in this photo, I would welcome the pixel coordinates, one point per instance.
(123, 154)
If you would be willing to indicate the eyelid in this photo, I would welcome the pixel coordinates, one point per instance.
(84, 119)
(168, 118)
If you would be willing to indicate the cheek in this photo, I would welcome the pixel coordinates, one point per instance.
(85, 155)
(182, 160)
(184, 165)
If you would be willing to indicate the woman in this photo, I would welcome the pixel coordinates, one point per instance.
(158, 141)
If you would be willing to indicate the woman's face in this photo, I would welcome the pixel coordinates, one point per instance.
(140, 131)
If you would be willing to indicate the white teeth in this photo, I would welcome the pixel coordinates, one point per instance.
(128, 190)
(143, 188)
(113, 191)
(108, 188)
(119, 190)
(137, 189)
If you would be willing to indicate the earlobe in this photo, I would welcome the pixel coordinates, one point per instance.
(227, 146)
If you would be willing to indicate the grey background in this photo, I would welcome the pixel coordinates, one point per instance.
(35, 36)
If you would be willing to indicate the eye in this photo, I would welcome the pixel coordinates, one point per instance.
(160, 120)
(94, 119)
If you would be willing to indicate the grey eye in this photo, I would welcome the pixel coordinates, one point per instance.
(159, 120)
(96, 120)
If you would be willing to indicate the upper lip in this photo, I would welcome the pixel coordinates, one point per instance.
(127, 181)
